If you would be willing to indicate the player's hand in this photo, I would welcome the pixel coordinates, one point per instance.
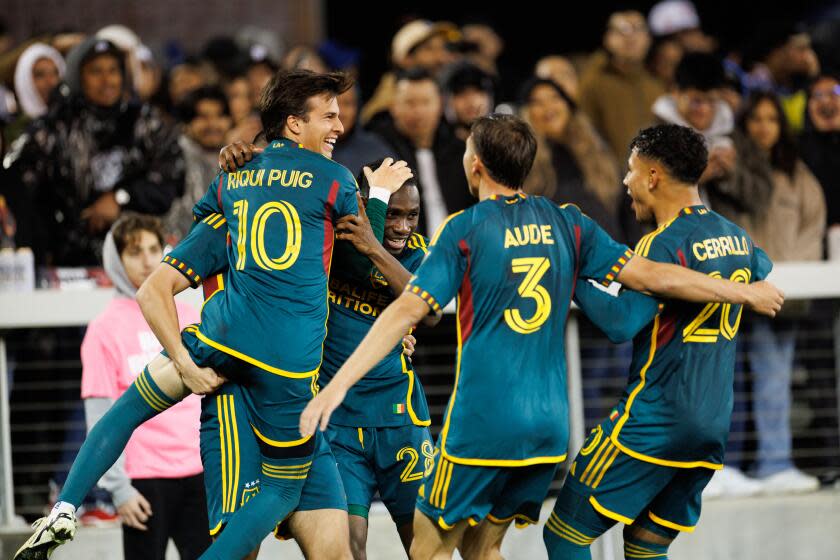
(356, 229)
(233, 156)
(409, 342)
(390, 175)
(766, 298)
(135, 512)
(317, 413)
(199, 380)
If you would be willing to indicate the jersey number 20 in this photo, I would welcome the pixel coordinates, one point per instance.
(697, 332)
(257, 234)
(534, 268)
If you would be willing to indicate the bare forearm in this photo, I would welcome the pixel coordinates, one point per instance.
(387, 331)
(157, 302)
(677, 282)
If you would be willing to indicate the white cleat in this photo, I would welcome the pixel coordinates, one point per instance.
(50, 533)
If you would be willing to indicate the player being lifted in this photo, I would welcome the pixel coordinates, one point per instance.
(646, 465)
(265, 327)
(512, 261)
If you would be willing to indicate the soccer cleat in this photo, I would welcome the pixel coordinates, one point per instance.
(50, 533)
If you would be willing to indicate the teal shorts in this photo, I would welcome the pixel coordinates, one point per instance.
(232, 463)
(625, 489)
(392, 461)
(452, 493)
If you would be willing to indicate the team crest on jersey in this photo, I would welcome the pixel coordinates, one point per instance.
(377, 279)
(251, 490)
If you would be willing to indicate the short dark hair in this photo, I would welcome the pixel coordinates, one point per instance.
(680, 149)
(288, 94)
(127, 227)
(506, 146)
(700, 71)
(463, 75)
(364, 186)
(415, 74)
(188, 107)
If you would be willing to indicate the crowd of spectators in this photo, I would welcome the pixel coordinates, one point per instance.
(97, 125)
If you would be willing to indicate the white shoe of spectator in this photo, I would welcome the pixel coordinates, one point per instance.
(790, 481)
(730, 482)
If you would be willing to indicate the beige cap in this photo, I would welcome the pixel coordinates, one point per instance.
(417, 31)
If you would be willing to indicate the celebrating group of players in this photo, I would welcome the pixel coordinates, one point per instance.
(313, 286)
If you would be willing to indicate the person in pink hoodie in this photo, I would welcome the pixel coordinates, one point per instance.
(156, 485)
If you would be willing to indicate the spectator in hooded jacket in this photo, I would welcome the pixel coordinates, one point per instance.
(96, 153)
(38, 71)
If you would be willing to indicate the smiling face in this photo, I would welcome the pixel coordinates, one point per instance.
(638, 181)
(321, 127)
(209, 125)
(548, 112)
(401, 219)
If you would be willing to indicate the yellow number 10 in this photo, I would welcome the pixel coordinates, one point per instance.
(257, 233)
(534, 269)
(697, 332)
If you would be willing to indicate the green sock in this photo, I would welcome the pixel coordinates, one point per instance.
(564, 542)
(634, 548)
(108, 438)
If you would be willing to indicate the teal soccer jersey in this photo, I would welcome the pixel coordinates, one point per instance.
(280, 210)
(390, 395)
(512, 262)
(676, 408)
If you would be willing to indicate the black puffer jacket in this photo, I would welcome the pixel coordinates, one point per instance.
(78, 152)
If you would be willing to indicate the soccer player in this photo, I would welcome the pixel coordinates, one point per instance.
(512, 260)
(266, 326)
(646, 465)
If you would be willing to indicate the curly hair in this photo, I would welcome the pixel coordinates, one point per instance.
(680, 149)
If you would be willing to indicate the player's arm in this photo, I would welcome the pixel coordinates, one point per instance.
(386, 332)
(620, 317)
(204, 248)
(678, 282)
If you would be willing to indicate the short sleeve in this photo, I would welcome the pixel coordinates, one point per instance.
(439, 276)
(202, 252)
(761, 264)
(211, 202)
(601, 258)
(346, 202)
(99, 368)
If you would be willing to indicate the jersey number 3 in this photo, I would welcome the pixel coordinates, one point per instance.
(534, 268)
(257, 234)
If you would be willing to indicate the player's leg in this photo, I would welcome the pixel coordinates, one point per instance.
(604, 486)
(156, 389)
(484, 541)
(519, 500)
(402, 457)
(322, 534)
(674, 510)
(431, 541)
(353, 449)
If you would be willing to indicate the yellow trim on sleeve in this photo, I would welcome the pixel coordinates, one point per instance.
(441, 226)
(670, 524)
(275, 443)
(215, 530)
(253, 361)
(607, 513)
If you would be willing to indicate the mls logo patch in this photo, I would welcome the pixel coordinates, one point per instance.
(377, 280)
